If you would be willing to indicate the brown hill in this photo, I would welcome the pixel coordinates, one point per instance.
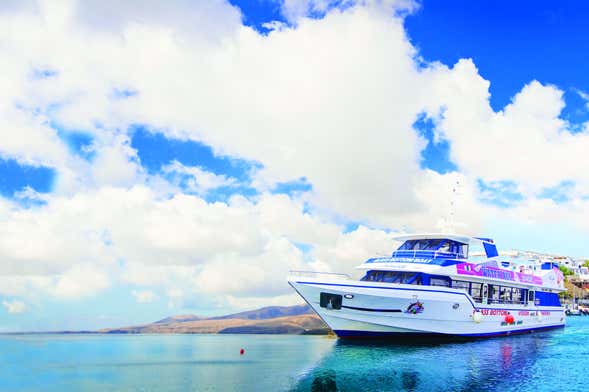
(180, 318)
(269, 312)
(290, 320)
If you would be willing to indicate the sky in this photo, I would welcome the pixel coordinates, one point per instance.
(162, 158)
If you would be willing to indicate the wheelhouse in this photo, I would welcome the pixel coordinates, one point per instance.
(429, 248)
(437, 247)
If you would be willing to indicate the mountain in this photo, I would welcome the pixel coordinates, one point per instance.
(268, 312)
(299, 319)
(180, 318)
(259, 314)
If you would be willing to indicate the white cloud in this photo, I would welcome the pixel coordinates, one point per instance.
(144, 296)
(527, 142)
(207, 20)
(175, 297)
(242, 302)
(116, 164)
(200, 181)
(74, 245)
(80, 281)
(352, 248)
(14, 306)
(294, 10)
(327, 101)
(332, 100)
(26, 139)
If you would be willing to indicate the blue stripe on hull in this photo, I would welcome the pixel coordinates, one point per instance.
(349, 334)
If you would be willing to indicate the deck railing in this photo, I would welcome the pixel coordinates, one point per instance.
(432, 254)
(316, 274)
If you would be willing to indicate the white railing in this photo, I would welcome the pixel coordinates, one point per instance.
(423, 252)
(316, 274)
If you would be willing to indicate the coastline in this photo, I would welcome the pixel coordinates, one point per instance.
(273, 320)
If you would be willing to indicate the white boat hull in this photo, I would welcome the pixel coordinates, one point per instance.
(371, 309)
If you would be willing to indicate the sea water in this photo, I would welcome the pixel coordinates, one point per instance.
(547, 361)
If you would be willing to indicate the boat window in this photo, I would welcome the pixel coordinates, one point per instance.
(473, 288)
(505, 296)
(461, 285)
(531, 296)
(370, 276)
(425, 244)
(501, 294)
(388, 277)
(516, 296)
(475, 292)
(393, 277)
(493, 294)
(459, 249)
(445, 247)
(330, 301)
(412, 278)
(439, 282)
(438, 244)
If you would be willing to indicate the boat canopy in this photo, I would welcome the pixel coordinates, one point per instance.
(486, 243)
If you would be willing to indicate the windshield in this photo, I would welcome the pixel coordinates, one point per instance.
(440, 245)
(421, 245)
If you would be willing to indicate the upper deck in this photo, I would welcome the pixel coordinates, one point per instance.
(437, 249)
(448, 255)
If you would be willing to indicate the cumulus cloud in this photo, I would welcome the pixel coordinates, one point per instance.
(326, 100)
(332, 100)
(527, 142)
(294, 10)
(73, 244)
(79, 281)
(14, 306)
(144, 296)
(195, 179)
(199, 20)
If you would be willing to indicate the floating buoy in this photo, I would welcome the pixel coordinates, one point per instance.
(477, 316)
(241, 352)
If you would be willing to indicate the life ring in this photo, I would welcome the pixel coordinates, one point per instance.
(477, 316)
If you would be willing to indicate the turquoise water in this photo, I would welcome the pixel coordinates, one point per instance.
(548, 361)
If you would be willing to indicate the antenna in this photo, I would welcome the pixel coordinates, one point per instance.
(453, 206)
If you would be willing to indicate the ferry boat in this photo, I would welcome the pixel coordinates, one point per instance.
(431, 287)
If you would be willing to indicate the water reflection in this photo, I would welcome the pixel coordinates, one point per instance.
(494, 364)
(324, 381)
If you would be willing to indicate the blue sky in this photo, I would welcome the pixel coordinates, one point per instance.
(195, 167)
(511, 44)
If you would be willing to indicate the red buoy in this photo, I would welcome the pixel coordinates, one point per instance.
(241, 352)
(509, 319)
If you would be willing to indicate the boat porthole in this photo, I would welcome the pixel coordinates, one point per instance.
(348, 296)
(455, 306)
